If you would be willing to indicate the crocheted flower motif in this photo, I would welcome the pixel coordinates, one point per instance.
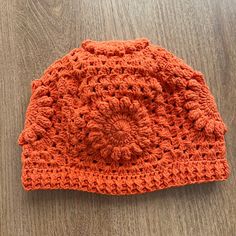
(119, 129)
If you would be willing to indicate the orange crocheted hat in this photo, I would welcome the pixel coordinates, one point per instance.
(121, 117)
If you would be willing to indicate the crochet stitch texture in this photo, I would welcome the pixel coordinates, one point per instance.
(121, 117)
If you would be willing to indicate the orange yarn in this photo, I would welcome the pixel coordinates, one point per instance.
(121, 117)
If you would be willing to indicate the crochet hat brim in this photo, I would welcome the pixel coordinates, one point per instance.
(170, 175)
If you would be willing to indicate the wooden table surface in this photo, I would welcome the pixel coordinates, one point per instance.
(35, 33)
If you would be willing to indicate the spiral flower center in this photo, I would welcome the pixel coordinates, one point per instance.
(121, 129)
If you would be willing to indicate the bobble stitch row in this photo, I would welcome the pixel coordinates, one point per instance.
(197, 113)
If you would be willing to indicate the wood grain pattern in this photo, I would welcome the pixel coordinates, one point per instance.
(35, 33)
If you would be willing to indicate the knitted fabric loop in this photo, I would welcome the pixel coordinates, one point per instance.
(121, 117)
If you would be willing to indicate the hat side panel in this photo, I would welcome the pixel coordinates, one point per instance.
(44, 136)
(183, 83)
(195, 125)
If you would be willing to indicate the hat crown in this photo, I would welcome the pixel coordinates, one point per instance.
(114, 47)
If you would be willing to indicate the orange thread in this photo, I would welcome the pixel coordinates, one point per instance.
(121, 117)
